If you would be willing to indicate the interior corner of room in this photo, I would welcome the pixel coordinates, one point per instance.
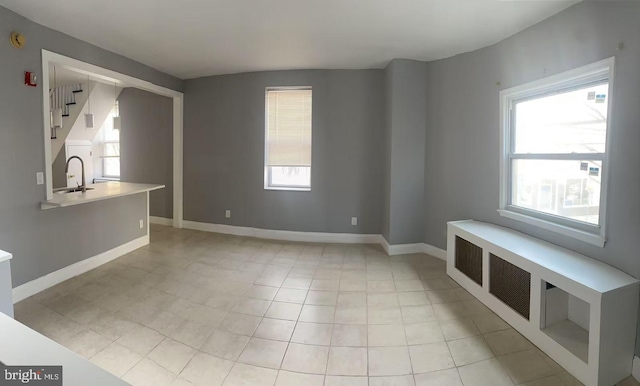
(386, 194)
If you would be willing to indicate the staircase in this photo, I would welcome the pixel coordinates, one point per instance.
(71, 99)
(63, 97)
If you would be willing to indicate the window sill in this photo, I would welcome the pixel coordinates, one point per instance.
(591, 238)
(293, 189)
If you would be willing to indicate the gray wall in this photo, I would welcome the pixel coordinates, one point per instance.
(405, 135)
(463, 128)
(463, 122)
(58, 169)
(45, 241)
(146, 145)
(224, 152)
(386, 153)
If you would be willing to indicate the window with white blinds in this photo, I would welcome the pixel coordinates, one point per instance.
(288, 138)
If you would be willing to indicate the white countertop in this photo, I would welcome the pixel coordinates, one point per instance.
(5, 256)
(579, 268)
(102, 191)
(24, 346)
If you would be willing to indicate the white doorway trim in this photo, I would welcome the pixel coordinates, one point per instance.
(122, 79)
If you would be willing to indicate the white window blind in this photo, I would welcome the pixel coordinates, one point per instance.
(288, 128)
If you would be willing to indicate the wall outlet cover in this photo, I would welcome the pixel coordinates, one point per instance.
(40, 178)
(141, 224)
(227, 214)
(354, 221)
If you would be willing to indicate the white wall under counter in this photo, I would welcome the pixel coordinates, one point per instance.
(6, 293)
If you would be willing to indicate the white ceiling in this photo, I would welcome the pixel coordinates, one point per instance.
(193, 38)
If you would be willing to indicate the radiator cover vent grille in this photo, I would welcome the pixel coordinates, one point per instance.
(469, 259)
(510, 284)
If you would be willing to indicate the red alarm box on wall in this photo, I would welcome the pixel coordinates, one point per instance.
(30, 79)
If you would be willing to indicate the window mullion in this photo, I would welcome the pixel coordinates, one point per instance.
(560, 157)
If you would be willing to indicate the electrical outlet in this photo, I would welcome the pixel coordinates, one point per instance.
(227, 213)
(40, 178)
(354, 221)
(141, 224)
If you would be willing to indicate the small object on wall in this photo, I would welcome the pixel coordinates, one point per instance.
(56, 118)
(88, 118)
(56, 122)
(17, 39)
(117, 123)
(30, 79)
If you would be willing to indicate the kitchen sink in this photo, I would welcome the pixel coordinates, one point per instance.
(70, 190)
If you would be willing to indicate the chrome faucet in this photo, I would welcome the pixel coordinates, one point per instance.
(83, 187)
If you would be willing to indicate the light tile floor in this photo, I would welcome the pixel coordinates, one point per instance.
(195, 308)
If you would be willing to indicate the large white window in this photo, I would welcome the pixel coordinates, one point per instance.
(554, 164)
(288, 139)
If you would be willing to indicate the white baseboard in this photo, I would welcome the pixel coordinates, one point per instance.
(309, 237)
(434, 251)
(42, 283)
(404, 249)
(635, 370)
(317, 237)
(161, 221)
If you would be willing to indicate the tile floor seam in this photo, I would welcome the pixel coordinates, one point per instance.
(366, 304)
(404, 330)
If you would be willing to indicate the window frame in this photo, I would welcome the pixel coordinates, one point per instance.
(267, 171)
(104, 142)
(599, 72)
(104, 158)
